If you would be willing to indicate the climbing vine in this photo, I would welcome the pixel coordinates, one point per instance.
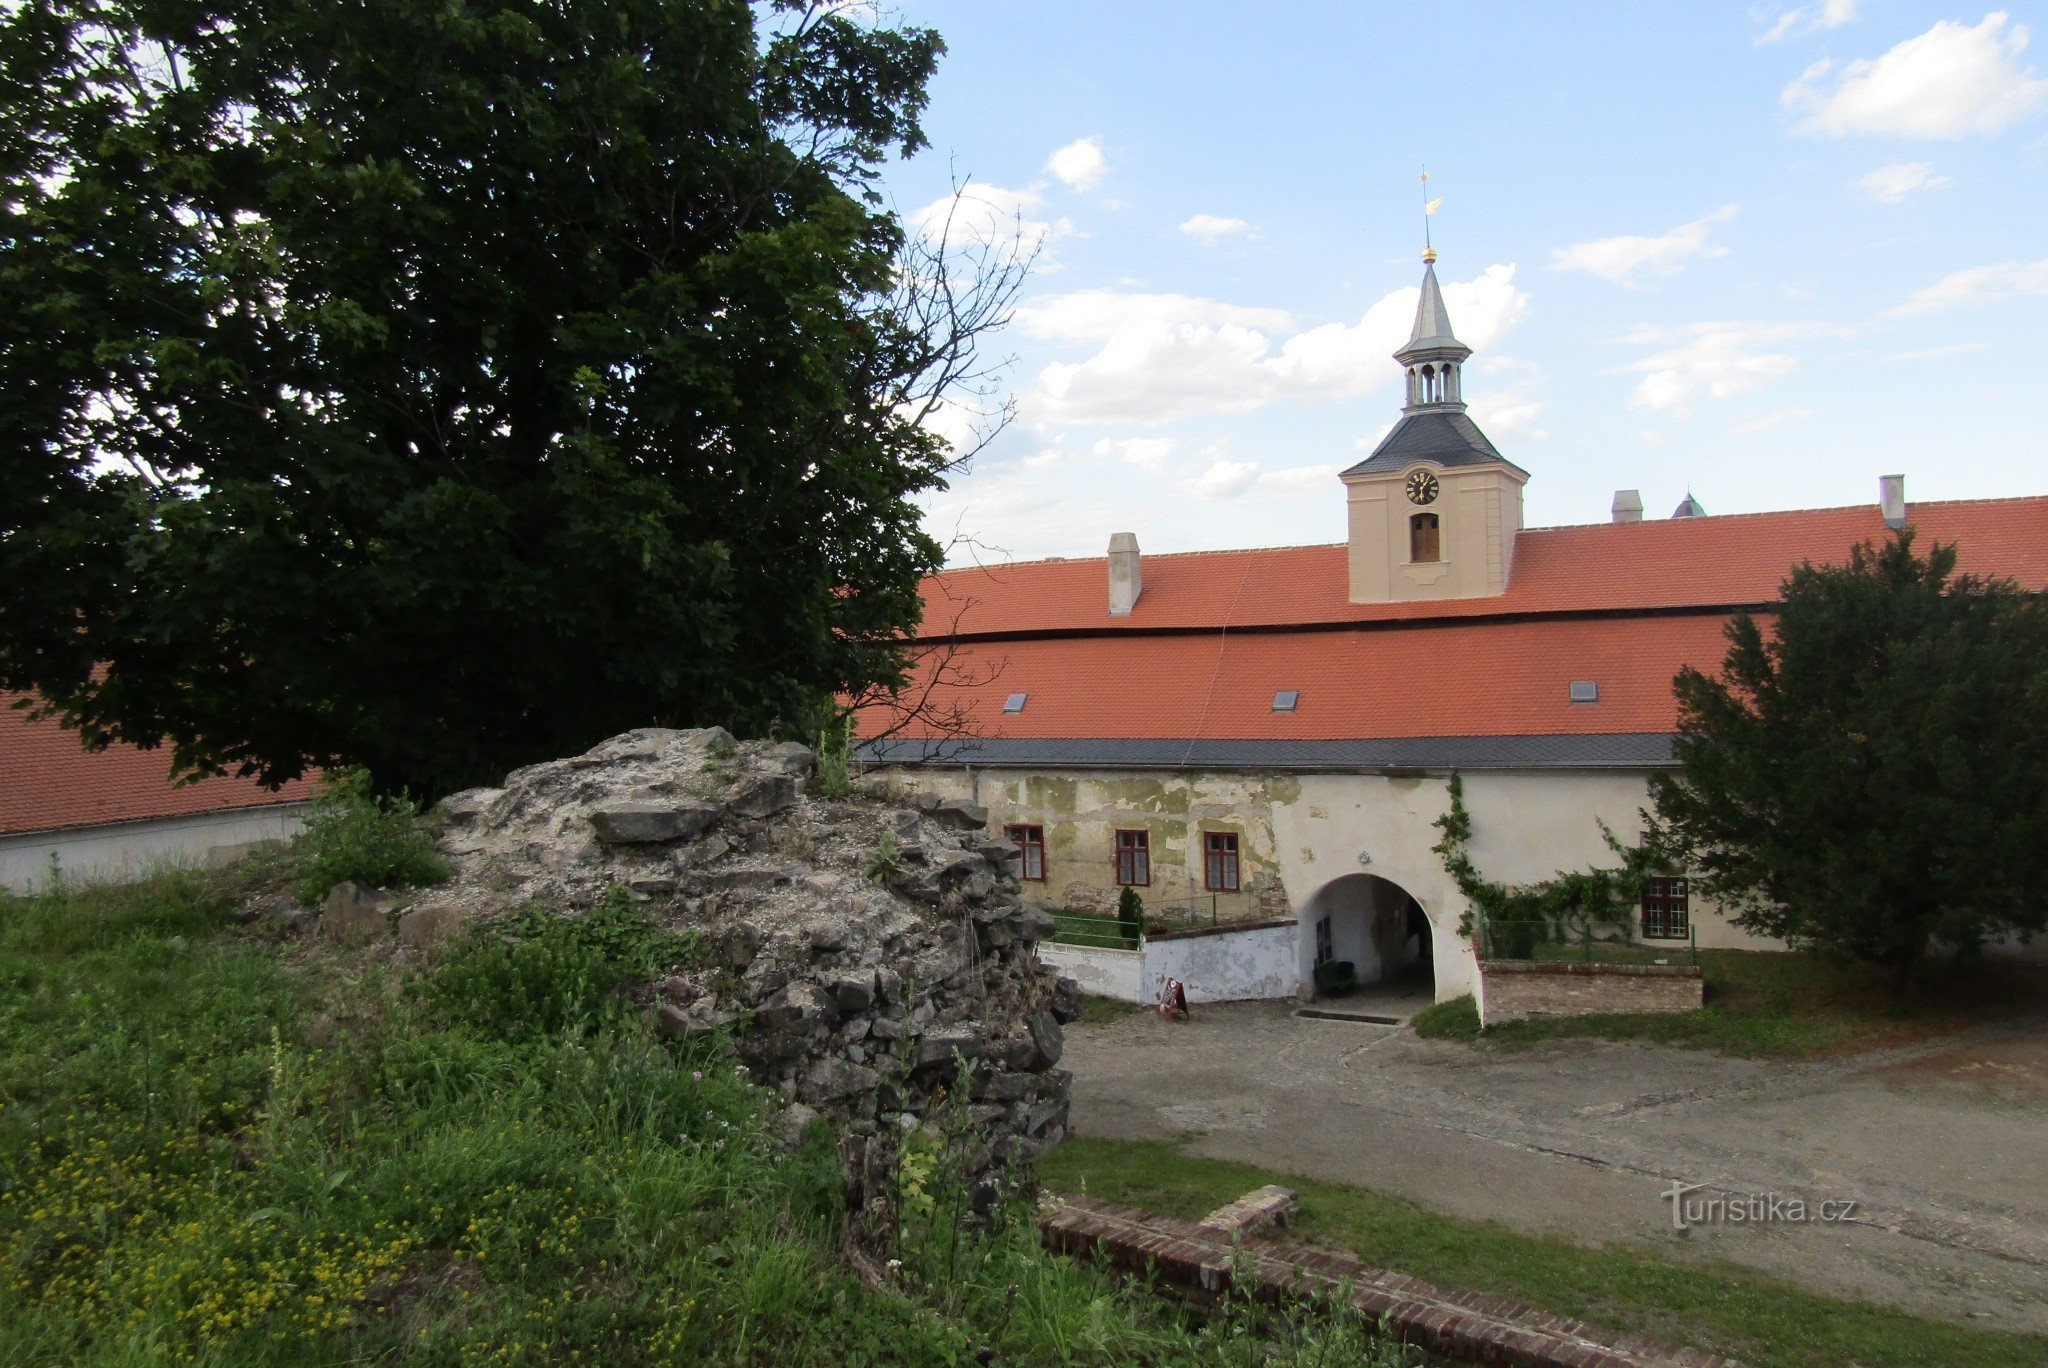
(1558, 908)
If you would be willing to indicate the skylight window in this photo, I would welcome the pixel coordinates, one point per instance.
(1015, 703)
(1585, 691)
(1286, 700)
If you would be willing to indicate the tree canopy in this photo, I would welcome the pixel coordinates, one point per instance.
(1869, 772)
(443, 387)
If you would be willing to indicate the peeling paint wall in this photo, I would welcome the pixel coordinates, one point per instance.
(1081, 812)
(1300, 834)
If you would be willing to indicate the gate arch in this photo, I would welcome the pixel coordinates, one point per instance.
(1373, 923)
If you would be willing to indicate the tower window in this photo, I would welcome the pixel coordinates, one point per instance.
(1423, 542)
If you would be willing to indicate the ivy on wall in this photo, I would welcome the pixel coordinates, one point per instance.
(1562, 906)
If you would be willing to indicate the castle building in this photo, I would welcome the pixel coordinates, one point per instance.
(1266, 737)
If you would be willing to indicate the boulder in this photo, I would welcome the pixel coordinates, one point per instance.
(651, 821)
(425, 927)
(854, 992)
(353, 913)
(960, 815)
(940, 1046)
(796, 1009)
(765, 795)
(1047, 1038)
(829, 1080)
(791, 757)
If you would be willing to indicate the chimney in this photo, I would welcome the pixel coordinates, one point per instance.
(1125, 583)
(1891, 500)
(1628, 506)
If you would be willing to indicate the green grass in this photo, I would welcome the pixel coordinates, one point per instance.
(1101, 1011)
(1715, 1306)
(220, 1148)
(1781, 1005)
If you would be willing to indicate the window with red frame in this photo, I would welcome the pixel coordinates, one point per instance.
(1030, 843)
(1133, 858)
(1667, 908)
(1219, 849)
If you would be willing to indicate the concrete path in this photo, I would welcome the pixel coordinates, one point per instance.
(1943, 1148)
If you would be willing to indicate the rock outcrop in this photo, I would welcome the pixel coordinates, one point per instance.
(861, 955)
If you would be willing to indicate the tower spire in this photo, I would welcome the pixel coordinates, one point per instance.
(1434, 357)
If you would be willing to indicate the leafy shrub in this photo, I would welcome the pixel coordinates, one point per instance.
(353, 833)
(537, 973)
(1130, 915)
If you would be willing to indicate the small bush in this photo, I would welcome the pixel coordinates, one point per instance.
(537, 973)
(1457, 1019)
(354, 834)
(1130, 913)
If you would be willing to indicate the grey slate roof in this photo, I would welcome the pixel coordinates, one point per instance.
(1432, 323)
(1599, 751)
(1443, 435)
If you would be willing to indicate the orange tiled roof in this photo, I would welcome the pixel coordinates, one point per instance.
(49, 782)
(1602, 567)
(1623, 605)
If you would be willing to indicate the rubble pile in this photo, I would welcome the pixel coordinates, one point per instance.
(860, 953)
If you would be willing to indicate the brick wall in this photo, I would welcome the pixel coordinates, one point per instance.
(1516, 990)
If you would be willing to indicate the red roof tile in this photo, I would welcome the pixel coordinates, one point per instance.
(1712, 561)
(1623, 605)
(48, 781)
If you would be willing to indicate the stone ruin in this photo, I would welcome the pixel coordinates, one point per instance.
(861, 953)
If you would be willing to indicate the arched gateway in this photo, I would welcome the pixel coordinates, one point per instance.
(1372, 925)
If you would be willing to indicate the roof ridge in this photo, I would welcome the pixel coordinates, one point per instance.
(1911, 504)
(1150, 556)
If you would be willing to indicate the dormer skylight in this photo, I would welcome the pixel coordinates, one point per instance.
(1015, 703)
(1286, 700)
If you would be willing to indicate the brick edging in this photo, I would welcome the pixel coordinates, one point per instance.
(1594, 969)
(1461, 1325)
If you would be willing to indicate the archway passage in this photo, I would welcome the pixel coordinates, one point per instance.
(1365, 931)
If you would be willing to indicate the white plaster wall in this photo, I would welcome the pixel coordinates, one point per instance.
(1531, 826)
(131, 850)
(1229, 967)
(1390, 821)
(1102, 972)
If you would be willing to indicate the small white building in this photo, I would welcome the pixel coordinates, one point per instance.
(1267, 736)
(112, 815)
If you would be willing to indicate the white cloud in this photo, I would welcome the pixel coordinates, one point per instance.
(1160, 358)
(1099, 315)
(1224, 478)
(1950, 81)
(1080, 164)
(1829, 14)
(1710, 360)
(1146, 453)
(989, 214)
(1623, 260)
(1891, 184)
(1979, 285)
(1507, 415)
(1211, 229)
(1768, 421)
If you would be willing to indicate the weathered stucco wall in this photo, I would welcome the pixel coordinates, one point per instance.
(1082, 810)
(1101, 972)
(1299, 835)
(1227, 966)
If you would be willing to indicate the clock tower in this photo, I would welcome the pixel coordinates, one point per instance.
(1434, 510)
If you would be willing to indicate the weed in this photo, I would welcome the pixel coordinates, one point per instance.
(538, 973)
(352, 833)
(887, 860)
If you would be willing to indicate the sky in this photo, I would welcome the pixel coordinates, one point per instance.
(1764, 255)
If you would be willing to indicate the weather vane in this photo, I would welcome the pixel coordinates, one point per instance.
(1429, 207)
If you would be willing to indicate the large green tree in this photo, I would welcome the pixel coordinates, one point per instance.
(444, 386)
(1868, 774)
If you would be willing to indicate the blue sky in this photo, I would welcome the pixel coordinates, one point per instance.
(1765, 254)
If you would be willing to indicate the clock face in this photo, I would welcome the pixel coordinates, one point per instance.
(1422, 487)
